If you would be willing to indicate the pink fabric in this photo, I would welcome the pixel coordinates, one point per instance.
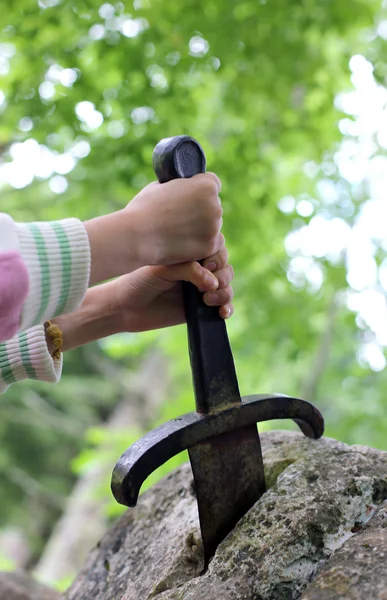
(14, 285)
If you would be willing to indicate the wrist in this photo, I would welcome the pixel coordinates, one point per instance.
(132, 220)
(97, 318)
(115, 245)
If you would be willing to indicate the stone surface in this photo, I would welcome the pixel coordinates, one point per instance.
(320, 494)
(358, 570)
(18, 585)
(152, 548)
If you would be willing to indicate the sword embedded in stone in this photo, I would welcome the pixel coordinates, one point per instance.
(221, 436)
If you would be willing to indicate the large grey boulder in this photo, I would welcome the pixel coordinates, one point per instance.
(321, 495)
(358, 570)
(18, 585)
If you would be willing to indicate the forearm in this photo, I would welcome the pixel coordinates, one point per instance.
(58, 261)
(95, 319)
(29, 355)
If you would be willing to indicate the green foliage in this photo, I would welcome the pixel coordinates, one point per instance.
(255, 82)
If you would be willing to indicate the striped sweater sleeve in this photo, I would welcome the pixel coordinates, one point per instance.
(26, 356)
(57, 257)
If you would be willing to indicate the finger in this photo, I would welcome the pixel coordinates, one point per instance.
(192, 272)
(224, 276)
(217, 245)
(209, 178)
(152, 184)
(226, 311)
(216, 179)
(217, 260)
(220, 297)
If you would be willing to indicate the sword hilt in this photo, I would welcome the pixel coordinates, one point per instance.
(212, 364)
(177, 158)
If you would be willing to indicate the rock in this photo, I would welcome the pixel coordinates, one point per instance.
(320, 494)
(18, 585)
(152, 548)
(358, 569)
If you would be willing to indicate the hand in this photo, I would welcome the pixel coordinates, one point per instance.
(164, 224)
(179, 221)
(151, 297)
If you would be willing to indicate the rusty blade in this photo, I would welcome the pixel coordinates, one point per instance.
(227, 469)
(229, 479)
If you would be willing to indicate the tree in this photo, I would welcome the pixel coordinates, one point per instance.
(87, 91)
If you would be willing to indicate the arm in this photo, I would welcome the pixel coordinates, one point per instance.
(163, 224)
(149, 298)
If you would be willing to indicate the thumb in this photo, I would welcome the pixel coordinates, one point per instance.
(192, 272)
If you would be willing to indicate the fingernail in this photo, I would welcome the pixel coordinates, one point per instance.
(211, 266)
(211, 281)
(228, 312)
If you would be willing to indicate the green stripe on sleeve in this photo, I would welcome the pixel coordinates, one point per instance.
(25, 356)
(44, 270)
(65, 251)
(5, 365)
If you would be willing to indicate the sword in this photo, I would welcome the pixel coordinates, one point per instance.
(221, 435)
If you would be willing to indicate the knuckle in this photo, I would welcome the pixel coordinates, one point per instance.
(213, 231)
(224, 254)
(223, 280)
(229, 294)
(211, 246)
(208, 202)
(218, 211)
(208, 247)
(216, 180)
(222, 242)
(209, 186)
(224, 277)
(222, 257)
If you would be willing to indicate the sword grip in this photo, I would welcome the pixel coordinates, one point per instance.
(212, 364)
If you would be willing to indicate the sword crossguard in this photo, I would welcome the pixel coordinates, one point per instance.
(159, 445)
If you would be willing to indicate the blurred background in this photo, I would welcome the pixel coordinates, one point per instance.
(289, 100)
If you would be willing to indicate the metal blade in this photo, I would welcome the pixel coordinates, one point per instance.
(229, 479)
